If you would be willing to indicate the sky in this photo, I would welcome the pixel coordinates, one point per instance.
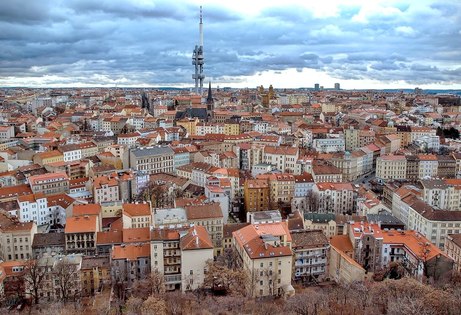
(360, 44)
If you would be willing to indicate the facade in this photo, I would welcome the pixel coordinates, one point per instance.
(209, 216)
(106, 189)
(367, 241)
(158, 159)
(391, 167)
(136, 215)
(256, 195)
(81, 234)
(16, 239)
(50, 183)
(453, 249)
(336, 198)
(310, 255)
(265, 251)
(166, 255)
(130, 262)
(284, 158)
(196, 249)
(94, 274)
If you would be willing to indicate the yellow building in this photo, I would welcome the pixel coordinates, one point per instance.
(48, 157)
(231, 128)
(257, 195)
(94, 274)
(189, 124)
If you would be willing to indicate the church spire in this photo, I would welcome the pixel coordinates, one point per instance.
(209, 99)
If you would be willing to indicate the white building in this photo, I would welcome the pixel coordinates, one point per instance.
(265, 250)
(196, 249)
(328, 145)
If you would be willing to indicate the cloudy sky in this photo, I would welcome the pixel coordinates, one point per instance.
(358, 43)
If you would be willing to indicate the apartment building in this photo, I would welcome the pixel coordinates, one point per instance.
(453, 249)
(428, 165)
(367, 242)
(256, 195)
(106, 189)
(420, 258)
(71, 152)
(62, 269)
(303, 190)
(166, 254)
(49, 183)
(48, 157)
(130, 262)
(158, 159)
(391, 167)
(329, 145)
(434, 224)
(196, 249)
(210, 216)
(310, 255)
(265, 251)
(337, 198)
(81, 234)
(94, 274)
(284, 158)
(136, 215)
(15, 238)
(323, 171)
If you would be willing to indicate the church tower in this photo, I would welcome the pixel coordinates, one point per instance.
(209, 103)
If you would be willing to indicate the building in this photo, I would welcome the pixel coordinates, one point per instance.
(136, 215)
(48, 244)
(106, 189)
(336, 198)
(391, 167)
(323, 171)
(367, 241)
(208, 215)
(166, 255)
(94, 274)
(324, 222)
(158, 159)
(16, 238)
(130, 262)
(81, 234)
(64, 272)
(284, 158)
(196, 249)
(266, 255)
(310, 255)
(420, 258)
(50, 183)
(453, 249)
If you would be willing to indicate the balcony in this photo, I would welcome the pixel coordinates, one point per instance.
(172, 279)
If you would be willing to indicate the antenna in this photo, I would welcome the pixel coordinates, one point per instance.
(201, 27)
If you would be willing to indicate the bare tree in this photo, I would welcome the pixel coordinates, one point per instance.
(154, 284)
(33, 276)
(66, 276)
(154, 306)
(221, 278)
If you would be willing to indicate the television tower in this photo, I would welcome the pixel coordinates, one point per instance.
(198, 61)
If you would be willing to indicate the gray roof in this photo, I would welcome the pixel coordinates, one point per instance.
(385, 218)
(308, 239)
(319, 217)
(152, 151)
(48, 239)
(433, 184)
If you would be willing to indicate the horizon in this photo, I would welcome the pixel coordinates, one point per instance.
(360, 44)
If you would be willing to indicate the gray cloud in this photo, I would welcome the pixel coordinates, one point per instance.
(87, 41)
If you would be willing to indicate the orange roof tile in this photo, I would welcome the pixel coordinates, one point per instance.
(85, 224)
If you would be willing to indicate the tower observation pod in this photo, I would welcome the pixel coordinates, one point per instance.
(198, 60)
